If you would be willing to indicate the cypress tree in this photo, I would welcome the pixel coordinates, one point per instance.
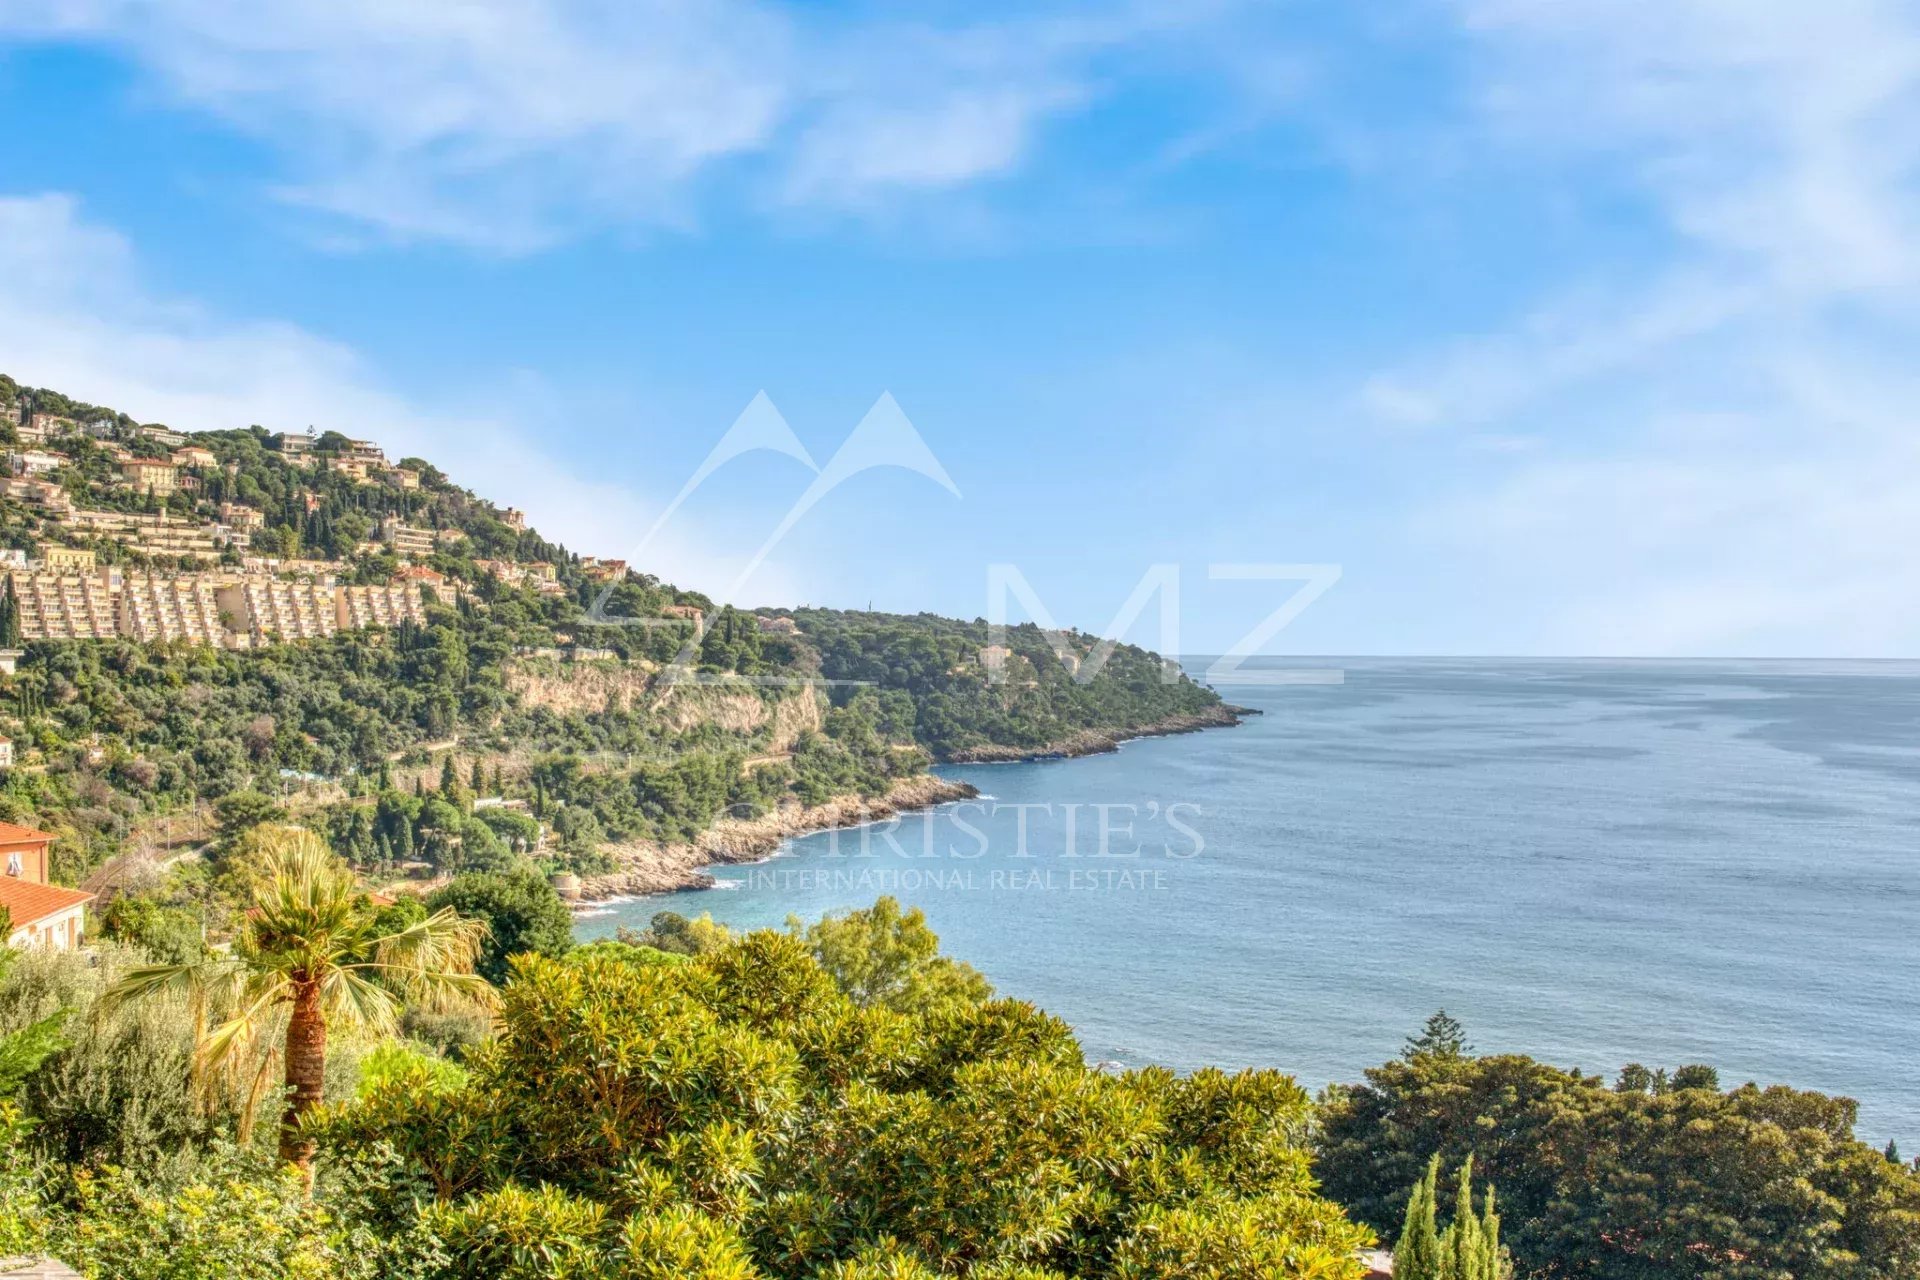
(1462, 1253)
(1469, 1249)
(1416, 1255)
(449, 777)
(1493, 1265)
(479, 778)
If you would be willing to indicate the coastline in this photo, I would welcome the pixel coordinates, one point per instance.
(1091, 742)
(648, 867)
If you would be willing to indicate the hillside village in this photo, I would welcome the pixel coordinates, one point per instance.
(114, 528)
(141, 531)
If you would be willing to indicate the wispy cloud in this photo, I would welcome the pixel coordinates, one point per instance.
(507, 124)
(1732, 433)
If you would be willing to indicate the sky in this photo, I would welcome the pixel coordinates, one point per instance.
(1542, 327)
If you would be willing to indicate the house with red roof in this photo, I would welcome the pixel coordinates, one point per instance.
(40, 914)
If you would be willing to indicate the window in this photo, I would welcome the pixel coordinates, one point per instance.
(15, 867)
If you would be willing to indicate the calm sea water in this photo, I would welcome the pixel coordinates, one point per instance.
(1590, 862)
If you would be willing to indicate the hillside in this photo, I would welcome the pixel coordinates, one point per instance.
(203, 615)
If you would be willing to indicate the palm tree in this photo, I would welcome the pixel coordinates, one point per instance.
(311, 949)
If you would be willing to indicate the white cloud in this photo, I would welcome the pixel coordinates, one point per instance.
(1776, 132)
(507, 124)
(1731, 450)
(77, 318)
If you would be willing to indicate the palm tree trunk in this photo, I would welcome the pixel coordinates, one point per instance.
(306, 1069)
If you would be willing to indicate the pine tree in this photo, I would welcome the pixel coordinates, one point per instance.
(1442, 1037)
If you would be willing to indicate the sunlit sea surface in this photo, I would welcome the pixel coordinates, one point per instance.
(1591, 862)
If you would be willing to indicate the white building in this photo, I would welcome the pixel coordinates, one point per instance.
(32, 462)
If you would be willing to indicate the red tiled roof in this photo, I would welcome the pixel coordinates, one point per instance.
(10, 834)
(28, 903)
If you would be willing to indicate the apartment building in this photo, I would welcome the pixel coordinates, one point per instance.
(194, 455)
(236, 612)
(266, 610)
(155, 534)
(182, 608)
(56, 605)
(370, 606)
(150, 475)
(160, 435)
(68, 559)
(405, 539)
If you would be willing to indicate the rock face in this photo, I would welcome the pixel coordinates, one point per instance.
(579, 688)
(586, 688)
(647, 866)
(1094, 741)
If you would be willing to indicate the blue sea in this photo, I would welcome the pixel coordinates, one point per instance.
(1593, 862)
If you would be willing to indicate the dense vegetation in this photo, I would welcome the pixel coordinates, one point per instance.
(1035, 702)
(842, 1101)
(1656, 1176)
(835, 1102)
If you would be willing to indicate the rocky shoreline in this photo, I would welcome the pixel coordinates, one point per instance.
(1091, 742)
(647, 866)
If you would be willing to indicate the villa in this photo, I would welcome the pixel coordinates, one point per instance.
(40, 914)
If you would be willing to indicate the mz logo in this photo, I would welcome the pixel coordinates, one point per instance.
(883, 438)
(1163, 580)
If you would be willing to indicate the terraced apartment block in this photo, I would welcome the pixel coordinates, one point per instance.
(224, 610)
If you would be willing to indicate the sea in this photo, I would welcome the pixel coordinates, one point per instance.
(1592, 862)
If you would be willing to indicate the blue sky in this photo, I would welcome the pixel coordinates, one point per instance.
(1580, 327)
